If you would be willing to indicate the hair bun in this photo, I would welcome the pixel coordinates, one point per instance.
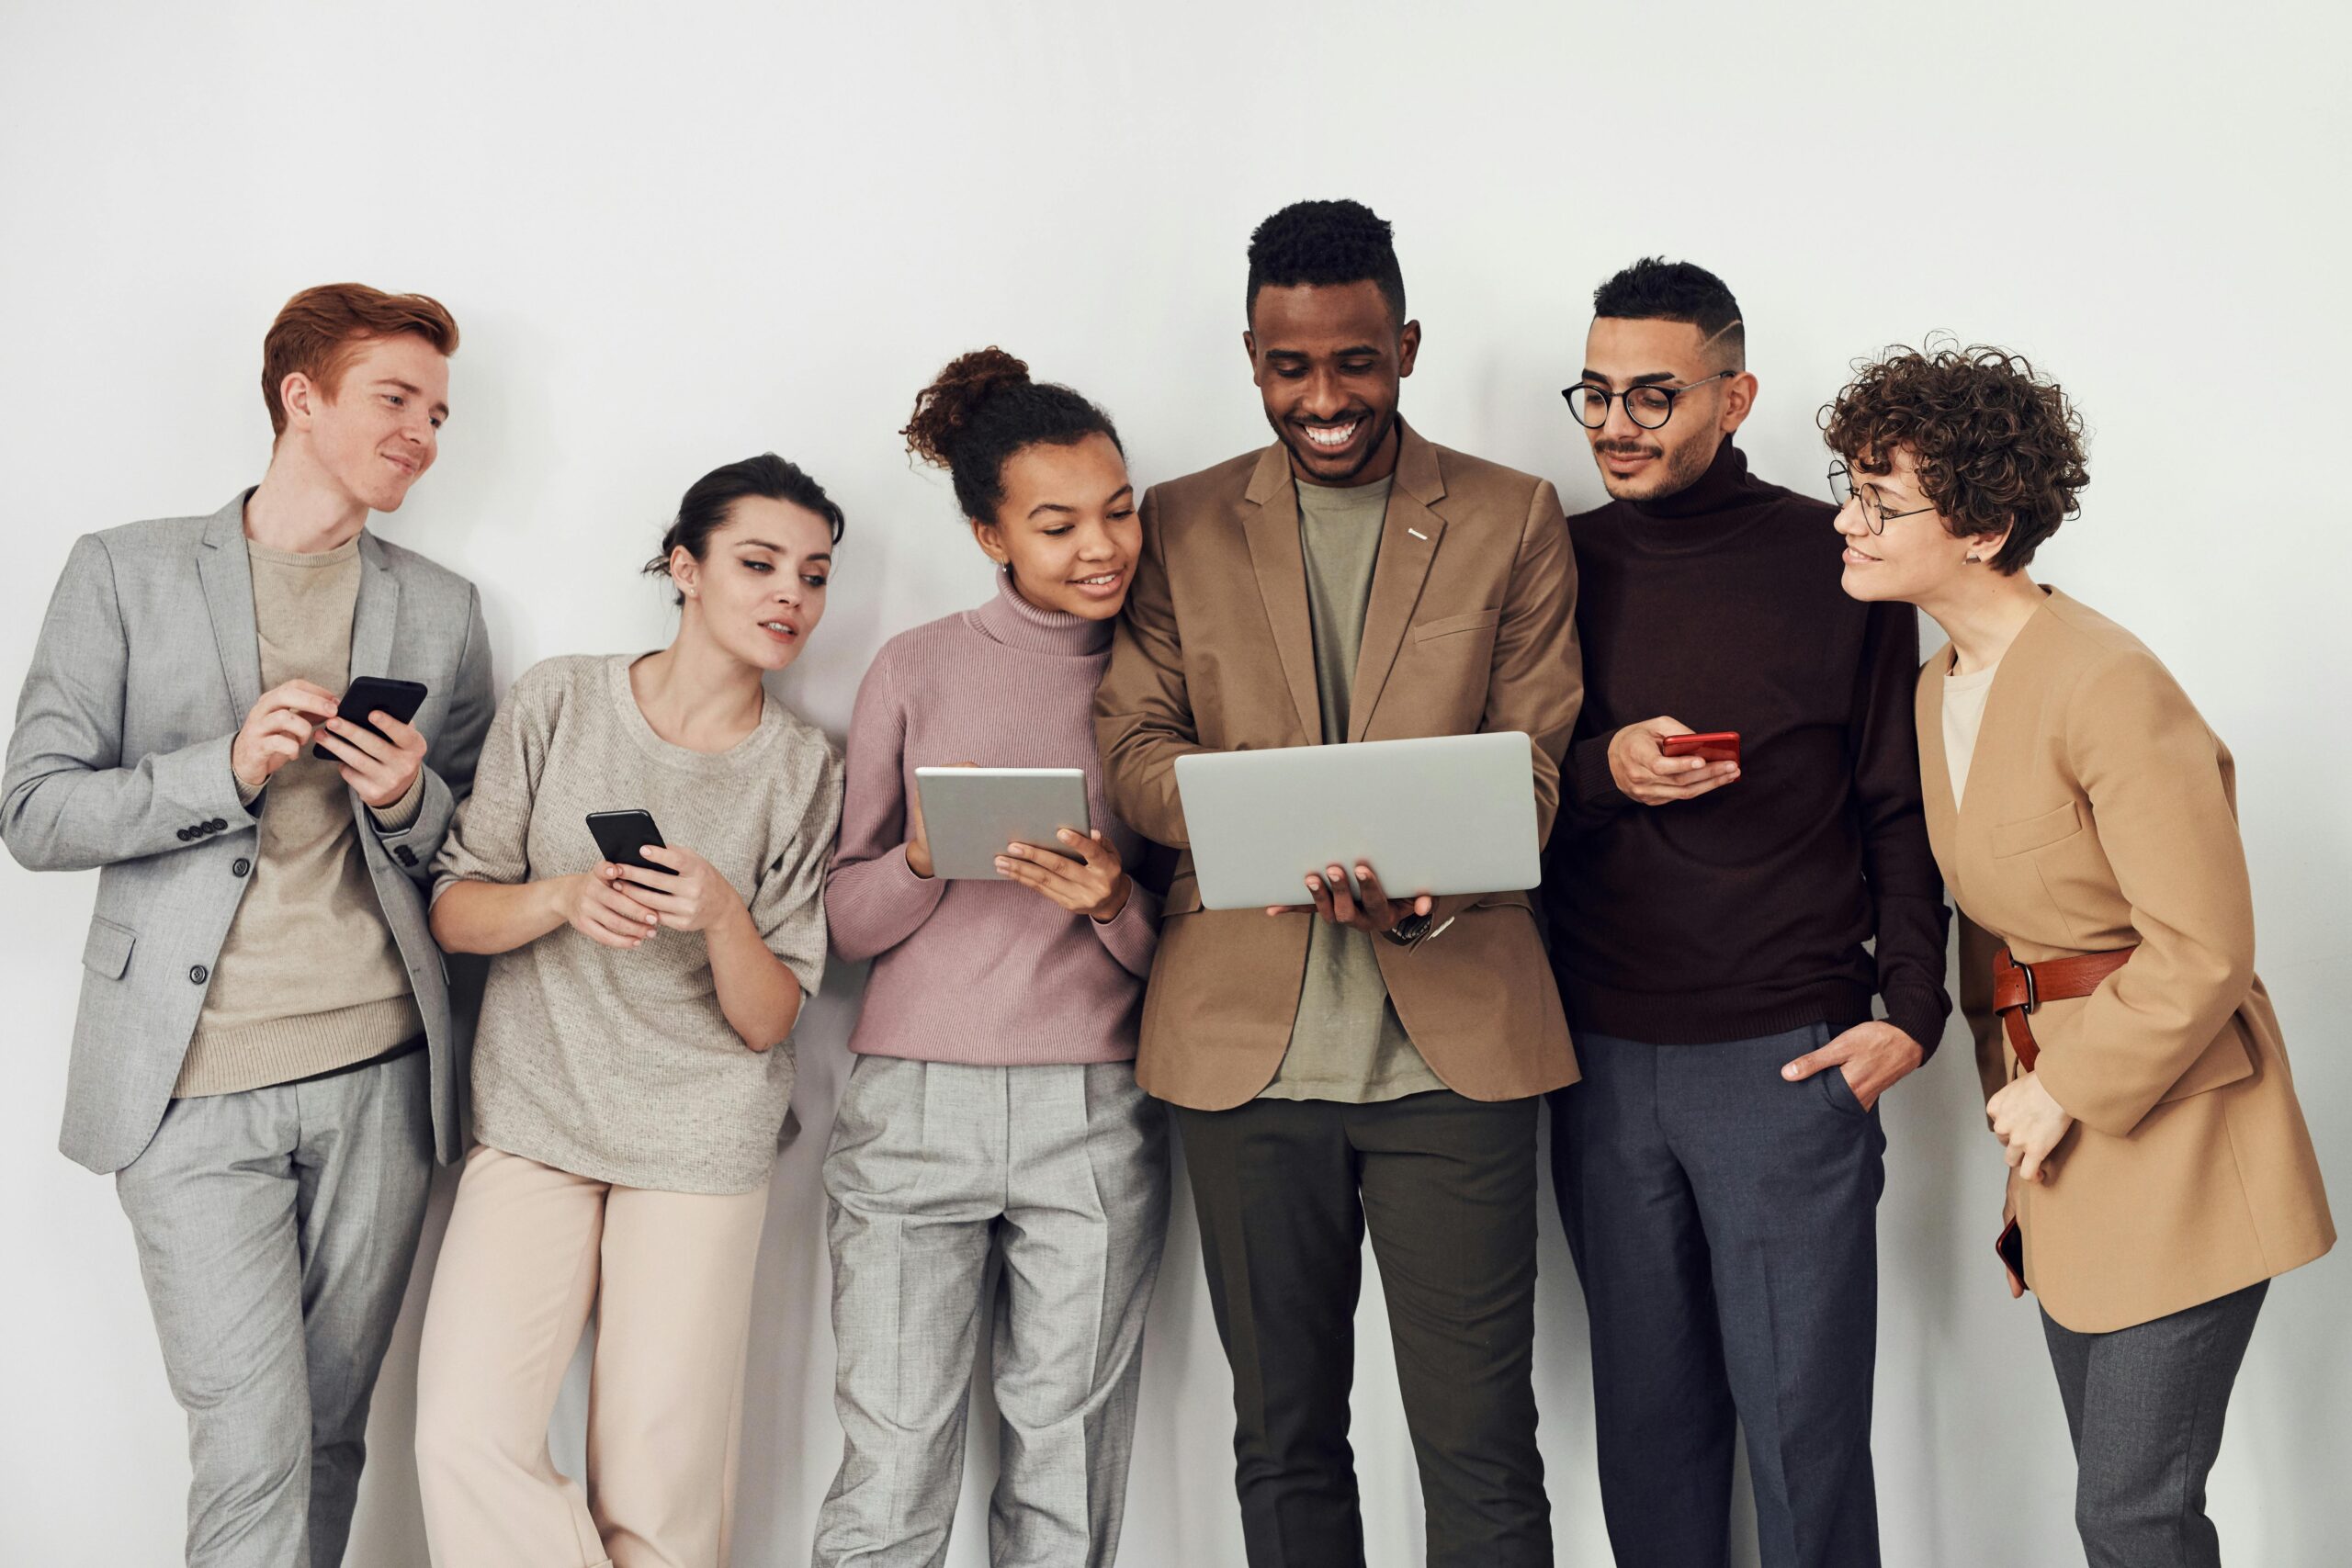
(944, 408)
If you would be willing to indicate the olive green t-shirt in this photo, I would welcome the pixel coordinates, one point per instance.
(1347, 1044)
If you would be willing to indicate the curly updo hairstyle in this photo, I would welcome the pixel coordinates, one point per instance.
(1997, 446)
(710, 501)
(983, 409)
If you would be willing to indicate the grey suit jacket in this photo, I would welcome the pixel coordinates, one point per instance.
(147, 665)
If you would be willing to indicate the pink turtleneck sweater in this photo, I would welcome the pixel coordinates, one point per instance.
(986, 972)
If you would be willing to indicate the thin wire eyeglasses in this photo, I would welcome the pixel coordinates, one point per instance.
(1648, 407)
(1842, 490)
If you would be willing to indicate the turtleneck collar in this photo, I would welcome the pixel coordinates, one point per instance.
(1726, 486)
(1013, 621)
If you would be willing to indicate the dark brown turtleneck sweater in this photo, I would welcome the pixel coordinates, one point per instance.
(1747, 911)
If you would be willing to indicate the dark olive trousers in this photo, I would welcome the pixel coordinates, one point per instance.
(1286, 1192)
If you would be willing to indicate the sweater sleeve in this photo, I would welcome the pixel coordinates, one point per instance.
(873, 898)
(1134, 935)
(1896, 859)
(788, 904)
(489, 839)
(2157, 792)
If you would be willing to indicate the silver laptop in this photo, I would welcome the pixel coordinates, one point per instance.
(1449, 814)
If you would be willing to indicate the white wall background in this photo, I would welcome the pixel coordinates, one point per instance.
(676, 236)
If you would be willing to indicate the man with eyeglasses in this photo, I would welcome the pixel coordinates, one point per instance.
(1719, 929)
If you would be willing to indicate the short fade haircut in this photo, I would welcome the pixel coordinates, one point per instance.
(1997, 446)
(1320, 245)
(1656, 289)
(322, 330)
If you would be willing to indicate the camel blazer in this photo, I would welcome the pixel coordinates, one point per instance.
(1471, 626)
(2101, 813)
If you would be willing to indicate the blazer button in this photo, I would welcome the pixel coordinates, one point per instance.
(198, 974)
(184, 835)
(242, 866)
(217, 826)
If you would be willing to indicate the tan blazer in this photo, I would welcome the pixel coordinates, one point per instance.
(1471, 626)
(2101, 813)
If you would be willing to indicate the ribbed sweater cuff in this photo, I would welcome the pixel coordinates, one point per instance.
(1133, 934)
(279, 1050)
(1920, 1014)
(1594, 786)
(875, 905)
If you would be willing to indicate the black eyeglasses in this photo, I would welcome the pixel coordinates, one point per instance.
(1842, 490)
(1648, 407)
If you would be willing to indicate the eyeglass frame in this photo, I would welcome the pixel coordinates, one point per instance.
(1874, 514)
(1609, 397)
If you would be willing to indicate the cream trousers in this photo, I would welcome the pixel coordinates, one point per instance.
(530, 1250)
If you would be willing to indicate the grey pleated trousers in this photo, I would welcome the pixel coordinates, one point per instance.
(1062, 1173)
(275, 1228)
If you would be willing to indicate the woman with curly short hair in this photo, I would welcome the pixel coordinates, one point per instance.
(2083, 817)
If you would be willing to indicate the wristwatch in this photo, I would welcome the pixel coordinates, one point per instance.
(1408, 931)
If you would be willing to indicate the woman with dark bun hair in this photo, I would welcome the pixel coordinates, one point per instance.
(993, 1112)
(2084, 818)
(634, 1060)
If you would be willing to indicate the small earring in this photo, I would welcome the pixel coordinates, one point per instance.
(1975, 560)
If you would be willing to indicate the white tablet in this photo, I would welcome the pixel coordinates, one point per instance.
(1449, 814)
(969, 815)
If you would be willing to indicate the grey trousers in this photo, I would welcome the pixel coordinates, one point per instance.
(275, 1228)
(2145, 1406)
(1061, 1172)
(1725, 1225)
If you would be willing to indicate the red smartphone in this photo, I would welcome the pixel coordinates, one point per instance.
(1718, 746)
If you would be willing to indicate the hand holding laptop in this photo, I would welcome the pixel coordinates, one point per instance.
(1367, 909)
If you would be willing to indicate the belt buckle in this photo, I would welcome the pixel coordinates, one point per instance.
(2033, 992)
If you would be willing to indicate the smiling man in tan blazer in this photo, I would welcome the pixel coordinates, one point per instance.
(1366, 1064)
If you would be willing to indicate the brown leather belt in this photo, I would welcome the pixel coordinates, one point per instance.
(2019, 989)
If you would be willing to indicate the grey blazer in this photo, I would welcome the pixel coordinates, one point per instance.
(147, 665)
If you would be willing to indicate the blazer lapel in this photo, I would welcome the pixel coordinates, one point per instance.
(228, 576)
(1409, 540)
(1270, 522)
(377, 612)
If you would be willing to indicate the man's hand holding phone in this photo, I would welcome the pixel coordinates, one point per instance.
(278, 729)
(380, 764)
(1647, 776)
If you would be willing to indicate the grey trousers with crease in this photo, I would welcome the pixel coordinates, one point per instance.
(275, 1229)
(2145, 1406)
(1062, 1173)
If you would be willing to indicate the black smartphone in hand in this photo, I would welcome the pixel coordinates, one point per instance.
(622, 835)
(375, 693)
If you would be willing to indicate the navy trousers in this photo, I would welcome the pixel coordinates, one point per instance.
(1724, 1224)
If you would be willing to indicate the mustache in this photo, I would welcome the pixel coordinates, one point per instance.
(1628, 449)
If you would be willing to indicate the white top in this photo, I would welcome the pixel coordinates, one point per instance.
(1964, 716)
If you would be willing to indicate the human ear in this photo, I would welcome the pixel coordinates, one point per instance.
(990, 538)
(1408, 348)
(1739, 401)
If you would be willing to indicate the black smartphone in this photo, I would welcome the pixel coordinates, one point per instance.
(2011, 1246)
(375, 693)
(620, 835)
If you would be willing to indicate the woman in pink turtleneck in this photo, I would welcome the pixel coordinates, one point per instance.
(993, 1111)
